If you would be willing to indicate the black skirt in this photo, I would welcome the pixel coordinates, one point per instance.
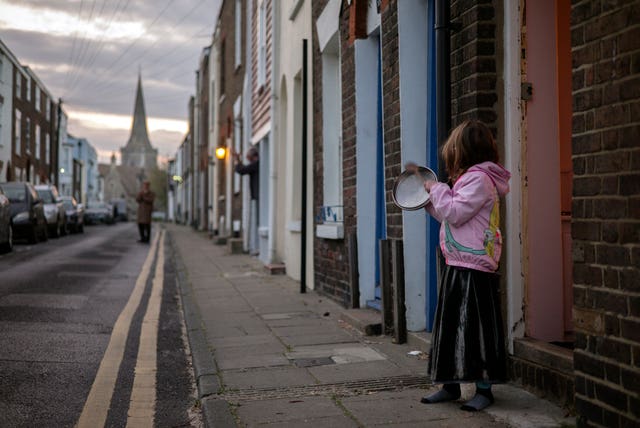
(468, 340)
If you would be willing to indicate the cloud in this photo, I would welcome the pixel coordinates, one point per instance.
(92, 64)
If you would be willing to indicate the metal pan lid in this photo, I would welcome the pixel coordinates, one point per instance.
(408, 190)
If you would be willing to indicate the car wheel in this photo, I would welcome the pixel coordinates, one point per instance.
(44, 236)
(56, 230)
(33, 235)
(8, 246)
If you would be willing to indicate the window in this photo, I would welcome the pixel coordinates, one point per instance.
(262, 43)
(238, 33)
(38, 140)
(18, 85)
(223, 63)
(38, 100)
(47, 155)
(332, 211)
(28, 89)
(18, 133)
(47, 104)
(1, 70)
(27, 135)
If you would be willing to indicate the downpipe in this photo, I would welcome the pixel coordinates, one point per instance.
(273, 174)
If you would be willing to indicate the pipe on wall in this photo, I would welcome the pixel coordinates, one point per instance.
(273, 175)
(443, 77)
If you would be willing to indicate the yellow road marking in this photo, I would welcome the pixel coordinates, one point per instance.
(96, 408)
(143, 394)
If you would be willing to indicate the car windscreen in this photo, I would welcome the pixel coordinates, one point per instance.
(16, 194)
(68, 205)
(96, 206)
(46, 196)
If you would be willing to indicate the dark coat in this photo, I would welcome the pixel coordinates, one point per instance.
(253, 170)
(145, 206)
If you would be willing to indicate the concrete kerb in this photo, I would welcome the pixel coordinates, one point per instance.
(216, 411)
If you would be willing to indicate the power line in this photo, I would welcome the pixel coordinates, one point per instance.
(113, 64)
(147, 50)
(116, 11)
(73, 44)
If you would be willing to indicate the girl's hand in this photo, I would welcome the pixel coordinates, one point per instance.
(428, 184)
(411, 167)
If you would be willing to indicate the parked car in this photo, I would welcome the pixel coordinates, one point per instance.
(53, 210)
(120, 209)
(27, 211)
(98, 212)
(75, 214)
(6, 233)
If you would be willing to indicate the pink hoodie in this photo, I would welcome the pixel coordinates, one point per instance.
(470, 215)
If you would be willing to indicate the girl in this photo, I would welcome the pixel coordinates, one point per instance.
(467, 342)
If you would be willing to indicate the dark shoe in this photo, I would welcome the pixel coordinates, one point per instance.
(480, 401)
(449, 392)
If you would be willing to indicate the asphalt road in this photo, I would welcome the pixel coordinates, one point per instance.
(59, 304)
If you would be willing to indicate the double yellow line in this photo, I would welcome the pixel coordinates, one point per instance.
(143, 394)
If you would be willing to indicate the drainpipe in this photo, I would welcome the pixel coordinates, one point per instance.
(303, 219)
(273, 175)
(247, 122)
(443, 77)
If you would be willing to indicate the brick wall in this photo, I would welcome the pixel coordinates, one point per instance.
(391, 113)
(606, 211)
(331, 259)
(473, 62)
(232, 88)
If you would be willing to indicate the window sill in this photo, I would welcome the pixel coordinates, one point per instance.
(330, 231)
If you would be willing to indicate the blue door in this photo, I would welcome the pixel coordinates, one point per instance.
(432, 156)
(381, 232)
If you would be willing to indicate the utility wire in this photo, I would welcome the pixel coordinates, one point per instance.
(73, 44)
(101, 87)
(101, 43)
(132, 44)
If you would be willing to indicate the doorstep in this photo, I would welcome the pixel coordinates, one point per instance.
(366, 321)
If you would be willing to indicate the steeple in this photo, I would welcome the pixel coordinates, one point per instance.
(139, 136)
(138, 151)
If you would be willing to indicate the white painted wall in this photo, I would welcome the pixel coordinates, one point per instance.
(295, 25)
(366, 79)
(513, 157)
(413, 38)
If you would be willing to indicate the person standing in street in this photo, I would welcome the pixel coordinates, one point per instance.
(468, 339)
(145, 209)
(252, 169)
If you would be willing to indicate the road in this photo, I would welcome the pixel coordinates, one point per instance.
(91, 334)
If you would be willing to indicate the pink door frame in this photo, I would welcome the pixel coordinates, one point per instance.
(543, 237)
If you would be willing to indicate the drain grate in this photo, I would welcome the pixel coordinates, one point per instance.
(341, 389)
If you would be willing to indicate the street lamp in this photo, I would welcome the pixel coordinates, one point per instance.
(221, 152)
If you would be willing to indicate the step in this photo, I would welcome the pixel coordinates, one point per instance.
(367, 321)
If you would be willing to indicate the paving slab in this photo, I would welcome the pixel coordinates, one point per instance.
(356, 371)
(287, 410)
(258, 333)
(272, 377)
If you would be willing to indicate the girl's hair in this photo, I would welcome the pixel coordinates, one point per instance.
(470, 143)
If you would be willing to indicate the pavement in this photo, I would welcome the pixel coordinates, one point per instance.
(266, 355)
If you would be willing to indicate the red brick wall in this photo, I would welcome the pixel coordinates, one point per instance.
(473, 62)
(261, 101)
(232, 88)
(391, 113)
(331, 258)
(606, 208)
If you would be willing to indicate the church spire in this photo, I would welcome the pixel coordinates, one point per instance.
(139, 137)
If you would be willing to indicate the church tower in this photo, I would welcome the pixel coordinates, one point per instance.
(138, 152)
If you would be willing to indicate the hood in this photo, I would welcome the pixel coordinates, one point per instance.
(497, 173)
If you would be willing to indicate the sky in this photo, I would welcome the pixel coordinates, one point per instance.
(89, 53)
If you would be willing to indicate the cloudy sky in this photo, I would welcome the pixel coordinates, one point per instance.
(89, 52)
